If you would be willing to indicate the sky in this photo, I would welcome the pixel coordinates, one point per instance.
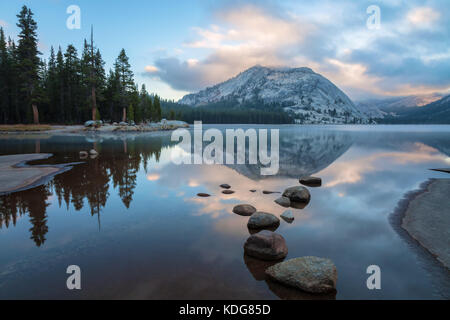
(367, 48)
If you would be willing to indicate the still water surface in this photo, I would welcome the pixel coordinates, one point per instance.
(132, 221)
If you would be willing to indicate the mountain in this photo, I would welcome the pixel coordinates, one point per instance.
(305, 95)
(380, 108)
(437, 112)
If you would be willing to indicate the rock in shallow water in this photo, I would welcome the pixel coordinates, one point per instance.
(288, 216)
(263, 220)
(245, 210)
(83, 154)
(203, 195)
(266, 245)
(311, 181)
(227, 191)
(310, 274)
(284, 202)
(270, 192)
(297, 194)
(225, 186)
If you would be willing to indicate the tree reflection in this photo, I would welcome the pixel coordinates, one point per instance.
(88, 183)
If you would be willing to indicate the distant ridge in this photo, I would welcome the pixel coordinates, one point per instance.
(437, 112)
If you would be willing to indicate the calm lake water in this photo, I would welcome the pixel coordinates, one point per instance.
(132, 221)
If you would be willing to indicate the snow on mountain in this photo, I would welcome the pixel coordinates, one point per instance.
(308, 96)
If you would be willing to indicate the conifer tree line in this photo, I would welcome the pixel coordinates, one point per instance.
(68, 87)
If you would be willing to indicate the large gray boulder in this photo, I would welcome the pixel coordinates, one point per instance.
(245, 210)
(266, 245)
(263, 220)
(297, 194)
(310, 274)
(89, 123)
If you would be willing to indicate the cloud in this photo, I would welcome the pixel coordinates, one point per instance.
(3, 23)
(247, 36)
(407, 55)
(423, 16)
(151, 69)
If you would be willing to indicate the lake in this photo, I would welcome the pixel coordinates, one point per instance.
(132, 221)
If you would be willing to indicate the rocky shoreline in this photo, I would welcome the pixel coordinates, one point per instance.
(99, 127)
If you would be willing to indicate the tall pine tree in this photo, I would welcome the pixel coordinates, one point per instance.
(28, 64)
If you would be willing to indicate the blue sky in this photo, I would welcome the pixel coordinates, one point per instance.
(176, 47)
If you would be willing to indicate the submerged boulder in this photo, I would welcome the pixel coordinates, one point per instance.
(245, 210)
(310, 274)
(297, 194)
(263, 220)
(266, 245)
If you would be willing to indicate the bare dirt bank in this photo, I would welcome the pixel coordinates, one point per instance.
(16, 175)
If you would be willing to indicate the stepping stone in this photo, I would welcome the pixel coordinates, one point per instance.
(311, 181)
(203, 195)
(228, 192)
(270, 192)
(245, 210)
(266, 245)
(288, 216)
(225, 186)
(297, 194)
(263, 220)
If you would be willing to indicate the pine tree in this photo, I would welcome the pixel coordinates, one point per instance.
(125, 81)
(51, 86)
(4, 72)
(61, 80)
(157, 108)
(28, 62)
(130, 113)
(72, 92)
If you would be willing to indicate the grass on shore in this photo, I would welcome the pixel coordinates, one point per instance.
(24, 127)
